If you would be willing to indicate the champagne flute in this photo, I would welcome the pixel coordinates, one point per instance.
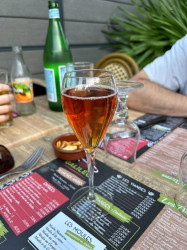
(89, 100)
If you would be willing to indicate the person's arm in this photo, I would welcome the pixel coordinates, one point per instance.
(155, 99)
(5, 102)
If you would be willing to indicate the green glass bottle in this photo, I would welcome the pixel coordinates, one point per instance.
(56, 55)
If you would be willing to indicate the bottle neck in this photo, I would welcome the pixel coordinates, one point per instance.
(20, 63)
(54, 13)
(19, 67)
(19, 57)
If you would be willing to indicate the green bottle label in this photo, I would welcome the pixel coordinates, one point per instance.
(62, 71)
(50, 84)
(54, 13)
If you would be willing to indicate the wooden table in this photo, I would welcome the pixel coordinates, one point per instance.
(40, 124)
(41, 128)
(29, 128)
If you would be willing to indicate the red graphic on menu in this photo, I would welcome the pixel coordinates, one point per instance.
(123, 148)
(27, 201)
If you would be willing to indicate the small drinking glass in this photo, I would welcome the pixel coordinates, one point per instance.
(4, 80)
(79, 66)
(181, 195)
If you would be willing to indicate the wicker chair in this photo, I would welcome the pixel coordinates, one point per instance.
(122, 65)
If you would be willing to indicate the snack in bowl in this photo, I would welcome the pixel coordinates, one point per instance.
(68, 147)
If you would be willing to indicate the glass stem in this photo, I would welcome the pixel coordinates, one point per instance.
(91, 163)
(122, 109)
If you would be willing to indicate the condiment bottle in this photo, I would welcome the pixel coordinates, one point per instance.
(22, 84)
(56, 55)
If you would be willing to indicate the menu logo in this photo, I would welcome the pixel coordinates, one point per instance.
(151, 193)
(71, 177)
(138, 187)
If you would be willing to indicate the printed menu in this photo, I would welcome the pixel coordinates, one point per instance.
(35, 212)
(163, 159)
(155, 133)
(149, 136)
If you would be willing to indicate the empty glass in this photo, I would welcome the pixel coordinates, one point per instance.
(181, 195)
(79, 66)
(122, 136)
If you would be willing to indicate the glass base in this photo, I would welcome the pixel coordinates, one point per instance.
(91, 209)
(181, 202)
(6, 124)
(121, 140)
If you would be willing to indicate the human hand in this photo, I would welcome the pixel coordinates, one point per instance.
(5, 102)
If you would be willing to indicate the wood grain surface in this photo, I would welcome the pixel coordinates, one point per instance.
(43, 127)
(40, 124)
(28, 128)
(22, 152)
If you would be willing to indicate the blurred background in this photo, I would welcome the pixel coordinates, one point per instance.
(25, 22)
(94, 28)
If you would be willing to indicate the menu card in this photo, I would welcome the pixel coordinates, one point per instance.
(155, 133)
(35, 212)
(149, 136)
(163, 159)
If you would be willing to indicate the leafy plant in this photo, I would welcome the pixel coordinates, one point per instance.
(158, 25)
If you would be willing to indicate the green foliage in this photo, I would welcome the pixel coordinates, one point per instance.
(158, 25)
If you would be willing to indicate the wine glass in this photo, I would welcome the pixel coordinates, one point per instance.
(122, 136)
(89, 100)
(181, 195)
